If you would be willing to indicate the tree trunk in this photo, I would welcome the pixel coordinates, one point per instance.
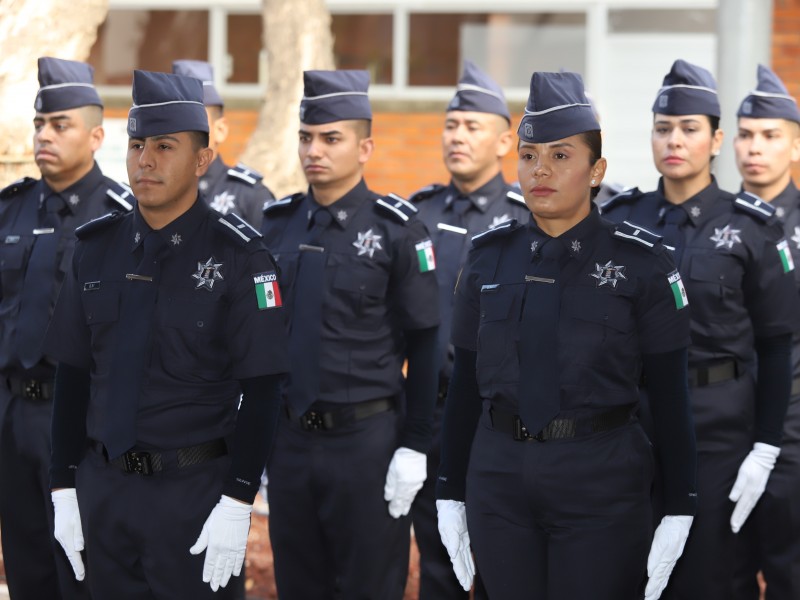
(29, 30)
(297, 37)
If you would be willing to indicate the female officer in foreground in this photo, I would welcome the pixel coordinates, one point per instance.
(737, 268)
(554, 322)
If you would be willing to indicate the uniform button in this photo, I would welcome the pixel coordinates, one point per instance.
(362, 287)
(200, 323)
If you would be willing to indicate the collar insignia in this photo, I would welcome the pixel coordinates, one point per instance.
(608, 273)
(176, 239)
(74, 199)
(534, 246)
(341, 216)
(575, 246)
(207, 274)
(695, 211)
(203, 185)
(137, 238)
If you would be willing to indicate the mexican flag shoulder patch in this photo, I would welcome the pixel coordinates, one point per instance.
(786, 256)
(678, 291)
(425, 256)
(268, 293)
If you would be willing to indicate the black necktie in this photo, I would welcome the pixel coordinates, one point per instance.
(539, 395)
(304, 341)
(139, 294)
(34, 310)
(674, 219)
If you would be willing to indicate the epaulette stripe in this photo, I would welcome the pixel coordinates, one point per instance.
(232, 227)
(246, 224)
(635, 226)
(244, 168)
(672, 248)
(404, 202)
(120, 199)
(764, 211)
(452, 228)
(287, 200)
(397, 211)
(242, 176)
(633, 237)
(506, 225)
(515, 196)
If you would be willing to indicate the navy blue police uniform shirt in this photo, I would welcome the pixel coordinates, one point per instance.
(620, 298)
(22, 210)
(487, 207)
(787, 209)
(739, 285)
(235, 190)
(210, 328)
(377, 283)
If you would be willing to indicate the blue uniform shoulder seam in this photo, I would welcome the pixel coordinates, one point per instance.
(397, 208)
(100, 223)
(429, 191)
(754, 206)
(237, 228)
(284, 203)
(623, 196)
(636, 234)
(245, 173)
(501, 230)
(20, 184)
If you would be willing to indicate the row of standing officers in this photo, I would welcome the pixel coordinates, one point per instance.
(164, 369)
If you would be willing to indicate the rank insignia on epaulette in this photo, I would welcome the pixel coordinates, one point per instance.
(245, 174)
(268, 293)
(397, 207)
(121, 194)
(636, 233)
(515, 196)
(239, 226)
(754, 205)
(503, 229)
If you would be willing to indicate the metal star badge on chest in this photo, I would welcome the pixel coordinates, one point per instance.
(207, 273)
(608, 273)
(726, 237)
(368, 242)
(223, 202)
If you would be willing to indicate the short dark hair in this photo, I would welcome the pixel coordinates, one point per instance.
(363, 128)
(199, 139)
(594, 141)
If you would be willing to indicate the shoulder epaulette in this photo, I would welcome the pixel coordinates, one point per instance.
(120, 193)
(17, 186)
(238, 228)
(624, 196)
(98, 224)
(398, 208)
(429, 191)
(493, 234)
(515, 195)
(755, 206)
(638, 235)
(284, 203)
(245, 174)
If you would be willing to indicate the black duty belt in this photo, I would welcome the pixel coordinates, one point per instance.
(561, 428)
(147, 463)
(324, 417)
(713, 373)
(31, 389)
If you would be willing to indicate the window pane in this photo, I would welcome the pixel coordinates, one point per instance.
(509, 46)
(147, 39)
(244, 47)
(662, 21)
(364, 42)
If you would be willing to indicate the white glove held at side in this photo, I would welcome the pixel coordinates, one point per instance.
(751, 482)
(67, 528)
(452, 517)
(224, 538)
(407, 472)
(666, 549)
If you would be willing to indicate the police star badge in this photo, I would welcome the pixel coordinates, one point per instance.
(726, 237)
(608, 273)
(207, 274)
(368, 242)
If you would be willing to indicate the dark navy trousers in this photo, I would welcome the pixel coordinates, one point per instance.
(35, 565)
(562, 519)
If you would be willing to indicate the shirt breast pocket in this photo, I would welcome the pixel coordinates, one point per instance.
(12, 258)
(100, 306)
(597, 320)
(715, 284)
(362, 292)
(498, 331)
(192, 343)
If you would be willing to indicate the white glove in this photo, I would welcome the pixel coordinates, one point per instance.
(67, 528)
(666, 549)
(224, 537)
(751, 482)
(452, 517)
(406, 474)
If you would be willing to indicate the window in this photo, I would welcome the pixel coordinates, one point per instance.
(244, 48)
(364, 42)
(662, 21)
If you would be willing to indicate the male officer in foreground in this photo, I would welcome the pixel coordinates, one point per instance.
(767, 144)
(167, 316)
(362, 298)
(37, 223)
(238, 189)
(475, 139)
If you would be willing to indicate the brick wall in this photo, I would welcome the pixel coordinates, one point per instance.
(786, 48)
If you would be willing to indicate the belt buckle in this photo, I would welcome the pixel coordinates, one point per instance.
(313, 420)
(33, 390)
(521, 433)
(138, 462)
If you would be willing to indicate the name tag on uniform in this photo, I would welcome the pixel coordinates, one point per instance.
(12, 239)
(310, 248)
(489, 287)
(91, 286)
(43, 231)
(539, 279)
